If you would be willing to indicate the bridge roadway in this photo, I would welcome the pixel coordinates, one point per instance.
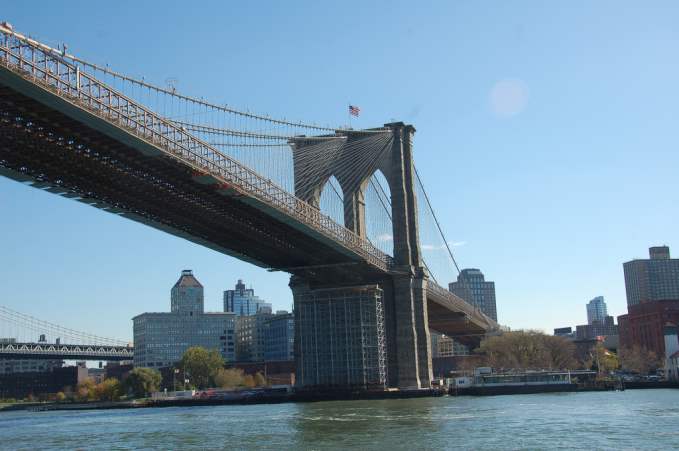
(65, 351)
(63, 131)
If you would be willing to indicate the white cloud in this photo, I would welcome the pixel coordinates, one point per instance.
(508, 97)
(385, 237)
(433, 247)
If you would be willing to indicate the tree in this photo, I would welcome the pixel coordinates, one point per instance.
(229, 379)
(84, 391)
(560, 352)
(604, 360)
(108, 390)
(60, 397)
(248, 381)
(142, 381)
(639, 360)
(260, 380)
(528, 350)
(201, 365)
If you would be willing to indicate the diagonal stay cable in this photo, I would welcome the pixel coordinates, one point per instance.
(438, 226)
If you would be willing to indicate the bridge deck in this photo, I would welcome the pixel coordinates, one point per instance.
(65, 351)
(65, 132)
(51, 150)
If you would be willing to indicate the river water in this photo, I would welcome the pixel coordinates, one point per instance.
(632, 419)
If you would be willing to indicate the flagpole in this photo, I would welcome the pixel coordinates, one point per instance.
(349, 113)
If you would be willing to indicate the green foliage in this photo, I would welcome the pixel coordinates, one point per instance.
(201, 366)
(604, 360)
(108, 390)
(142, 381)
(84, 391)
(60, 397)
(528, 350)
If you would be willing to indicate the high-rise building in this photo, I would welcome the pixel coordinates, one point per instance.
(250, 336)
(473, 288)
(654, 279)
(279, 337)
(596, 310)
(243, 302)
(265, 337)
(160, 339)
(186, 295)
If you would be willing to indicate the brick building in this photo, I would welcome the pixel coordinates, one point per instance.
(21, 385)
(644, 323)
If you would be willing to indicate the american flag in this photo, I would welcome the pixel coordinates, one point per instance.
(354, 110)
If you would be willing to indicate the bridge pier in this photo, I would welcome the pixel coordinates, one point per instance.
(410, 294)
(425, 366)
(401, 326)
(406, 352)
(339, 337)
(362, 336)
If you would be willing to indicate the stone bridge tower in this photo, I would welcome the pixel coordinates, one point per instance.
(363, 330)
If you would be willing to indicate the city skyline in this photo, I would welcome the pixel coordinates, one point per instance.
(543, 268)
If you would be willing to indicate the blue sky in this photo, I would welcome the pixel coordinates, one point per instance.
(546, 133)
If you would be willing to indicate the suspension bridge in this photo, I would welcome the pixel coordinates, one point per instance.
(25, 337)
(338, 209)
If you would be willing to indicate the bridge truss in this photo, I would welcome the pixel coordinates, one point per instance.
(14, 351)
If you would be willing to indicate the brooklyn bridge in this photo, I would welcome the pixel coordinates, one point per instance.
(343, 211)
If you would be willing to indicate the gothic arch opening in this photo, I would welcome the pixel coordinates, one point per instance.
(332, 200)
(378, 223)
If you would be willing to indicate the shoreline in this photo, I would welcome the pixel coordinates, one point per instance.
(558, 388)
(307, 397)
(299, 397)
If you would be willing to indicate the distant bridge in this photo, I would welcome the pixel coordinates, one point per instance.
(25, 337)
(248, 186)
(65, 352)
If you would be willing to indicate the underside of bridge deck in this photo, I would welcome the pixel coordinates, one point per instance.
(52, 151)
(454, 324)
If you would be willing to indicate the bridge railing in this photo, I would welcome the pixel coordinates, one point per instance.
(45, 66)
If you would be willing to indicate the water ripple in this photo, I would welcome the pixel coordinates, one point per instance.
(632, 419)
